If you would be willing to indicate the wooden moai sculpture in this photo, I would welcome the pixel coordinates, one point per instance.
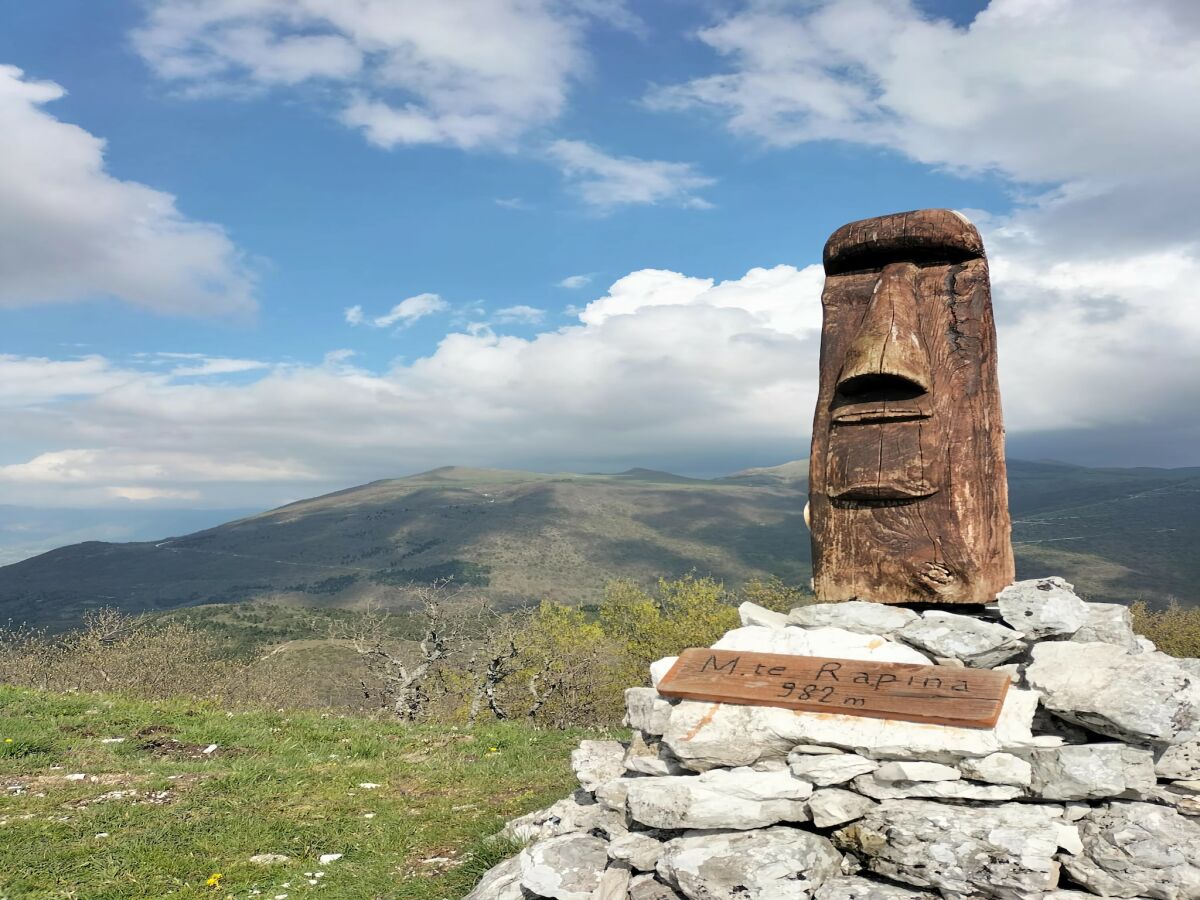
(908, 501)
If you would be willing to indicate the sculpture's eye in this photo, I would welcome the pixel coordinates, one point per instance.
(879, 387)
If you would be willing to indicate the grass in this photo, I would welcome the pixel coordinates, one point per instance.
(174, 817)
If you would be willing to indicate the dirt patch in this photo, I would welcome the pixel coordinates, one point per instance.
(149, 730)
(175, 749)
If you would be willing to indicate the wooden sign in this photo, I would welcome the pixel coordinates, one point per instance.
(938, 695)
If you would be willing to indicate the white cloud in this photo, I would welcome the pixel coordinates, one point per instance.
(574, 282)
(145, 494)
(218, 365)
(1079, 103)
(663, 367)
(467, 73)
(512, 203)
(606, 182)
(71, 231)
(405, 312)
(529, 315)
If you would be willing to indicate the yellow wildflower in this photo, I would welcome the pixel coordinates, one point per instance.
(8, 740)
(214, 880)
(493, 749)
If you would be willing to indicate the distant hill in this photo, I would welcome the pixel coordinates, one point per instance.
(1119, 534)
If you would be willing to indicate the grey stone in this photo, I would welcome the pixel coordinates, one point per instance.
(576, 813)
(826, 770)
(753, 614)
(612, 793)
(1176, 795)
(614, 883)
(833, 806)
(647, 710)
(1145, 697)
(500, 882)
(1042, 608)
(269, 859)
(723, 798)
(595, 762)
(977, 643)
(1179, 761)
(815, 750)
(853, 887)
(1145, 644)
(647, 887)
(1090, 771)
(853, 615)
(1069, 839)
(651, 757)
(638, 849)
(1138, 849)
(567, 867)
(1046, 722)
(916, 771)
(1004, 852)
(998, 768)
(770, 864)
(871, 786)
(707, 735)
(1108, 623)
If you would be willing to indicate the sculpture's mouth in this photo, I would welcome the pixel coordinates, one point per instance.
(875, 493)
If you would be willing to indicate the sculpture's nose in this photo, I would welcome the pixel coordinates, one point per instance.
(887, 355)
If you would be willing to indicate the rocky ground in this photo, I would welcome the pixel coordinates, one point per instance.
(1088, 785)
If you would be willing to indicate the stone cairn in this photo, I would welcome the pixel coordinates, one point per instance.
(1088, 785)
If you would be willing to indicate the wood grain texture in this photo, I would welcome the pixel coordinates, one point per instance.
(908, 492)
(936, 695)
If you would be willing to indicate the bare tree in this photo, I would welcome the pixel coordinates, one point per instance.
(407, 676)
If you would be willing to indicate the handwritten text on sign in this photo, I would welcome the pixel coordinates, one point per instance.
(940, 695)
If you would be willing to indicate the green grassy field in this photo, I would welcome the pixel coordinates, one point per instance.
(156, 817)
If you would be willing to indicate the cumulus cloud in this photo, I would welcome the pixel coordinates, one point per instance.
(574, 282)
(403, 313)
(663, 367)
(71, 231)
(1078, 104)
(606, 182)
(469, 73)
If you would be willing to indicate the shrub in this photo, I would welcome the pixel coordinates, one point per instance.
(1175, 630)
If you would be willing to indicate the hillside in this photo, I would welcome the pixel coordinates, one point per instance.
(518, 536)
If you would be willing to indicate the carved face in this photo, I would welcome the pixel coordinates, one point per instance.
(907, 482)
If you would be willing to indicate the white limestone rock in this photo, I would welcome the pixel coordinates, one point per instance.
(1042, 608)
(1138, 849)
(660, 667)
(613, 793)
(777, 863)
(1090, 771)
(916, 771)
(648, 887)
(854, 887)
(614, 883)
(636, 848)
(723, 798)
(977, 643)
(753, 614)
(650, 757)
(998, 768)
(647, 710)
(595, 762)
(826, 770)
(830, 807)
(853, 615)
(576, 813)
(1069, 839)
(1179, 761)
(707, 735)
(1141, 698)
(1004, 852)
(837, 642)
(1108, 623)
(872, 786)
(814, 750)
(1181, 796)
(500, 882)
(567, 867)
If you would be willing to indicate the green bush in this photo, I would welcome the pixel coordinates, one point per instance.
(1175, 630)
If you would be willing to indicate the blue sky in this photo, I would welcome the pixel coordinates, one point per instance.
(522, 202)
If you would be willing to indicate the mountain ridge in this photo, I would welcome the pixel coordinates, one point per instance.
(523, 536)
